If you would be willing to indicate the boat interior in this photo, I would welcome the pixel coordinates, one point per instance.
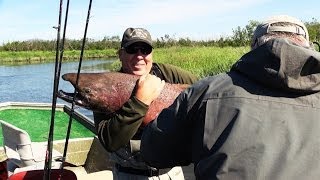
(85, 157)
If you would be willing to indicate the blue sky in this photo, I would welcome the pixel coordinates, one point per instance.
(195, 19)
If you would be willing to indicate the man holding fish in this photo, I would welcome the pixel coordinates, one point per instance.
(120, 132)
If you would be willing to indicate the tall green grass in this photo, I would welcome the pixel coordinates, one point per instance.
(202, 61)
(43, 56)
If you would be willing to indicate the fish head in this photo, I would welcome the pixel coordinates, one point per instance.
(86, 90)
(100, 92)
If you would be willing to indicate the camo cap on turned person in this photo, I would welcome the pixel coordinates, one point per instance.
(267, 26)
(133, 35)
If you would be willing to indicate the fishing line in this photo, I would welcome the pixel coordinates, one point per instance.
(71, 115)
(58, 62)
(59, 57)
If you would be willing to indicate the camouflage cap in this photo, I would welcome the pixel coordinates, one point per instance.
(266, 27)
(133, 35)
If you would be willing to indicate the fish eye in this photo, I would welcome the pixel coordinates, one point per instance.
(87, 90)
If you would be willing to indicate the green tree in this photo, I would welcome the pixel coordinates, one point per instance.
(313, 29)
(242, 36)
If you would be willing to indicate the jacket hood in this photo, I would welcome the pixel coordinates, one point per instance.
(281, 64)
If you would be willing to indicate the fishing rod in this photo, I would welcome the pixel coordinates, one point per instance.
(58, 61)
(59, 51)
(71, 115)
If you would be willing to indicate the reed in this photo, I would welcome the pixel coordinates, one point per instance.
(202, 61)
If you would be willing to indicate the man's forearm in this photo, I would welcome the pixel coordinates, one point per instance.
(116, 131)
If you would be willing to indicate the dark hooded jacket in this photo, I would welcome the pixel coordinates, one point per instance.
(261, 120)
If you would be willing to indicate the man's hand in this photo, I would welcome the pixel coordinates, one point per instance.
(149, 88)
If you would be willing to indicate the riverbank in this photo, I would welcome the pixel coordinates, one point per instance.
(202, 61)
(49, 56)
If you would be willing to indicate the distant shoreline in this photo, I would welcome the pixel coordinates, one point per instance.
(47, 56)
(201, 61)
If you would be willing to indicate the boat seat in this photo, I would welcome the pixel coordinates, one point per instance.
(22, 152)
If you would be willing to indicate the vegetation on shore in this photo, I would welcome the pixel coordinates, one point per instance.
(241, 36)
(44, 56)
(201, 61)
(203, 58)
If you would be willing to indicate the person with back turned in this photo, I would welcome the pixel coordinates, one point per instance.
(120, 132)
(260, 120)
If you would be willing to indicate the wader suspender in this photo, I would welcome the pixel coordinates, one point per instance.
(155, 70)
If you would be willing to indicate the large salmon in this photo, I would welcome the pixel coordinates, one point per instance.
(107, 92)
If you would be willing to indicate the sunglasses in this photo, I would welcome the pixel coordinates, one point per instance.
(145, 50)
